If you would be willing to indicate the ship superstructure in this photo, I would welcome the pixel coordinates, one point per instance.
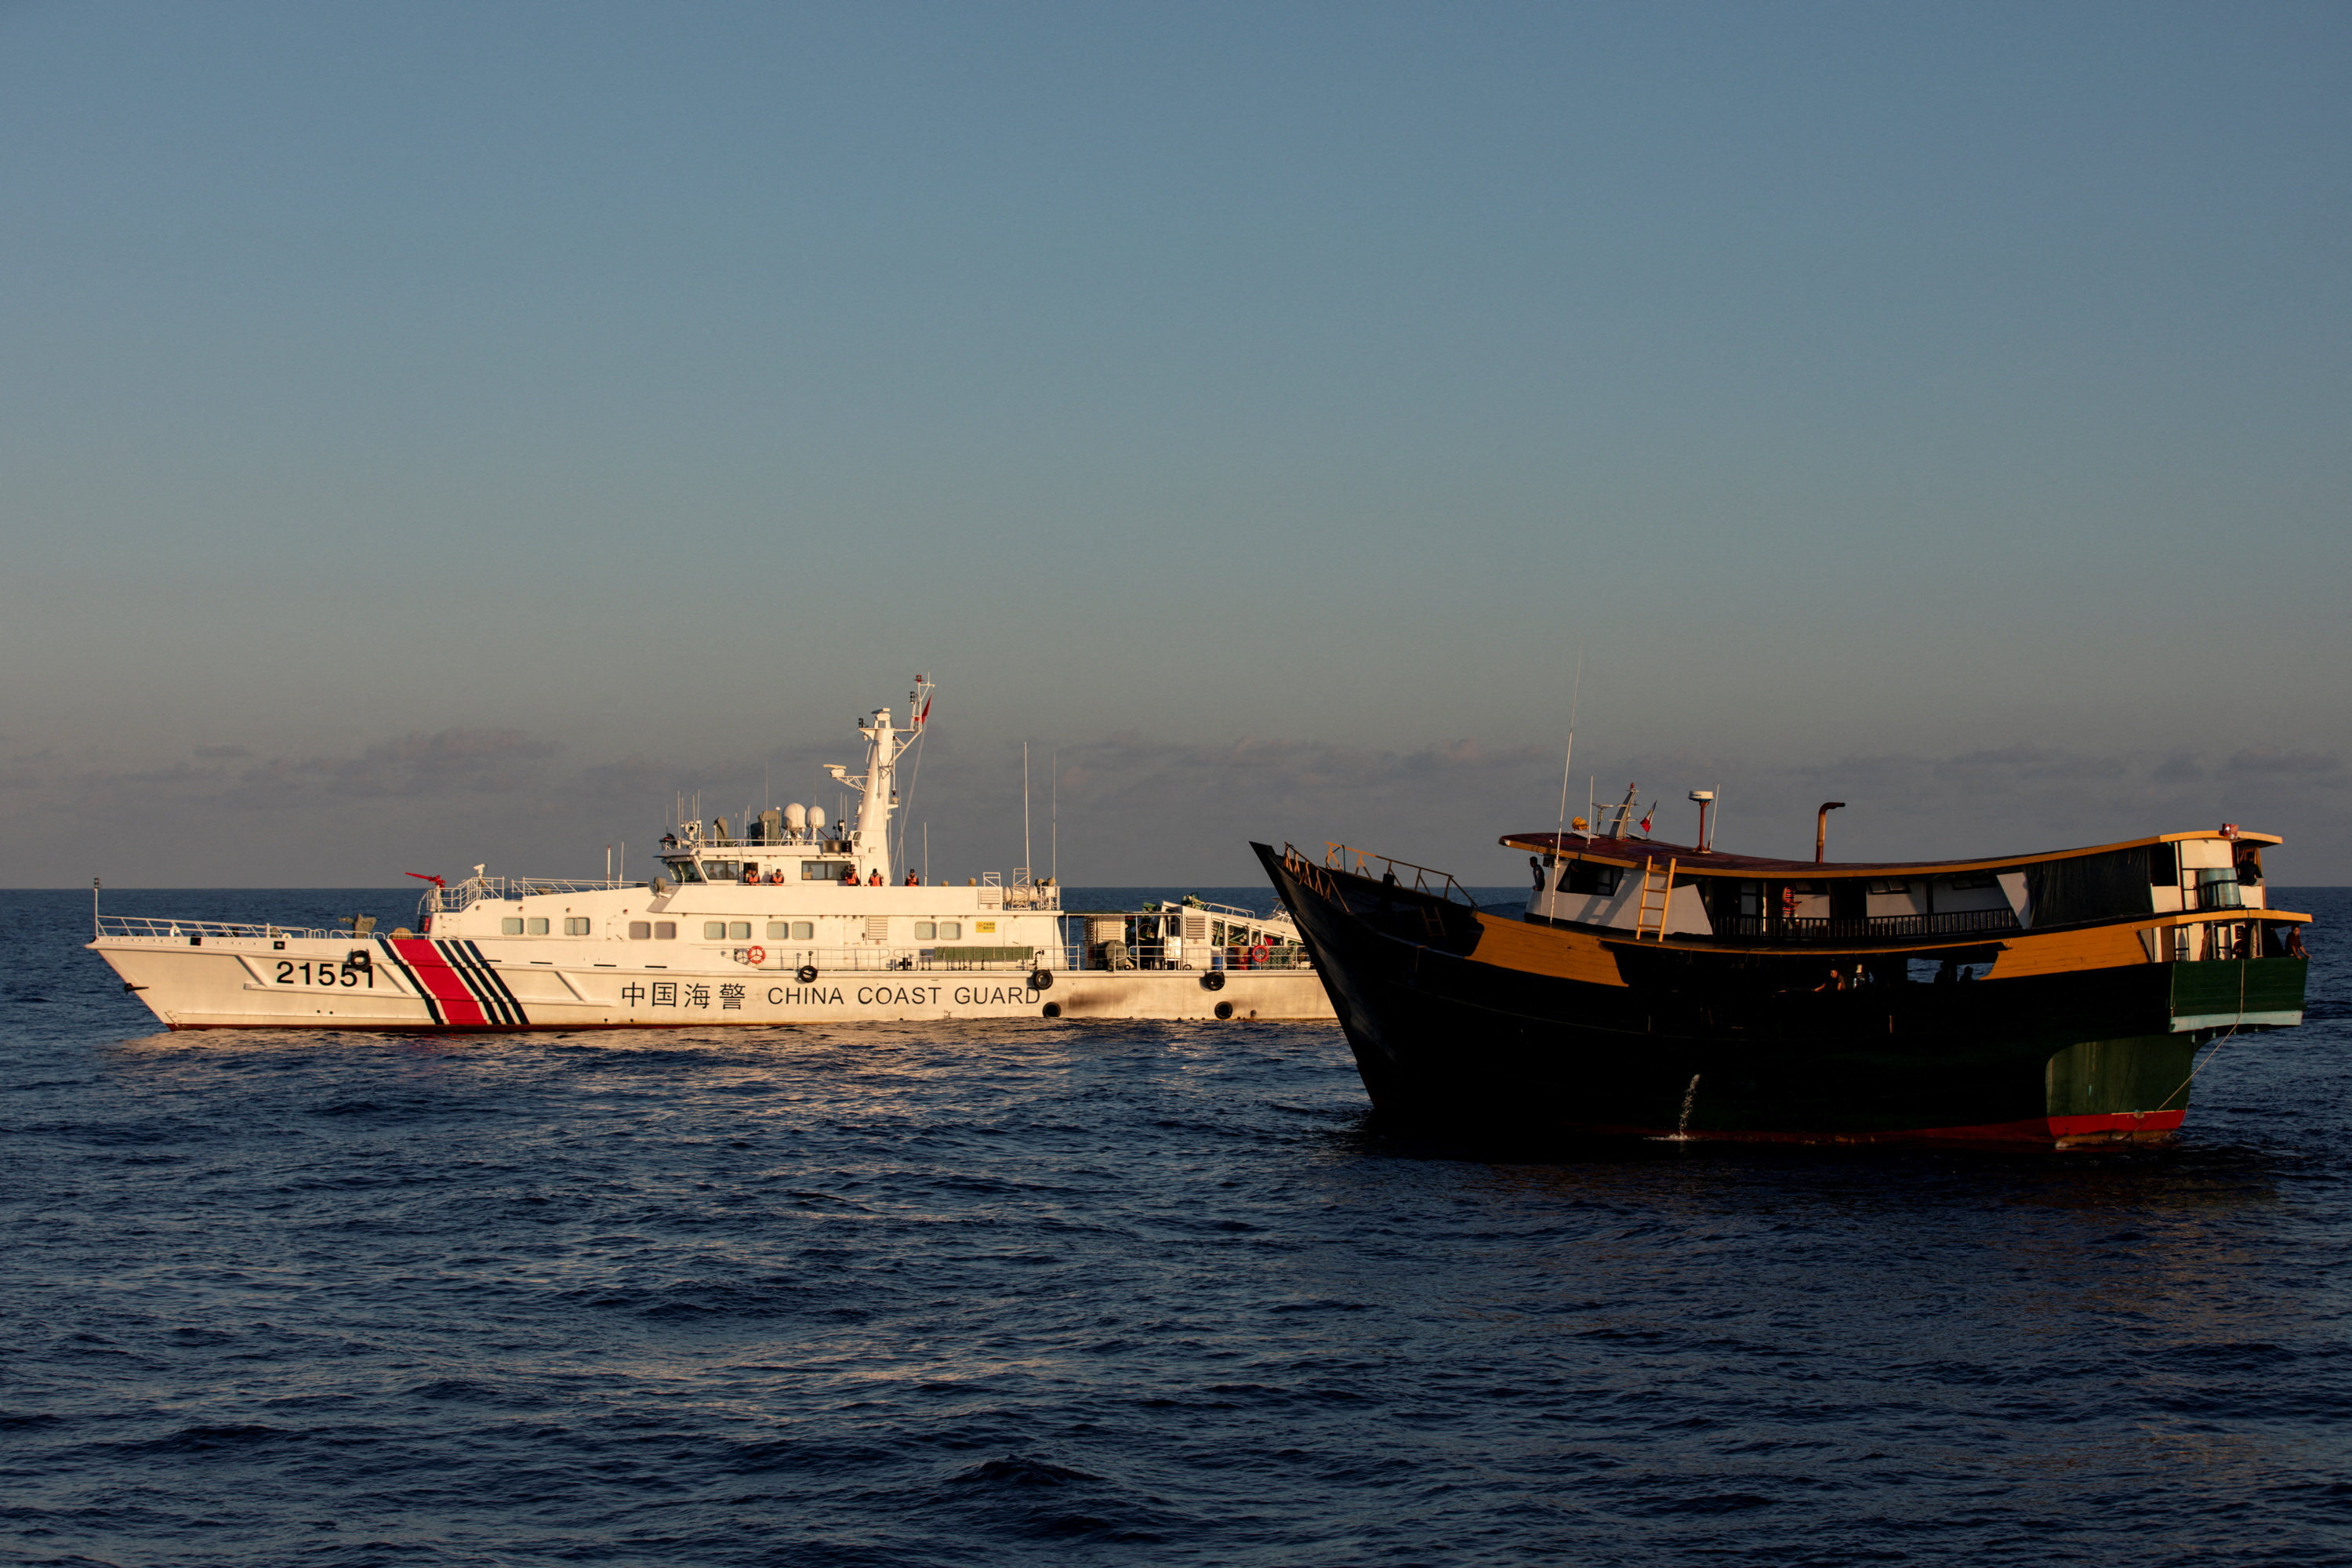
(785, 918)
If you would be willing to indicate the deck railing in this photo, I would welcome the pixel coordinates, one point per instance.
(1873, 928)
(1084, 958)
(244, 931)
(465, 895)
(1356, 862)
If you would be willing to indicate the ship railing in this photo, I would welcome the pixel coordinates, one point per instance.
(1871, 928)
(1194, 906)
(1356, 862)
(465, 895)
(1196, 956)
(247, 931)
(874, 958)
(782, 840)
(996, 895)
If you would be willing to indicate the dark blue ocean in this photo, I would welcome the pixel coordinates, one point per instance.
(1073, 1293)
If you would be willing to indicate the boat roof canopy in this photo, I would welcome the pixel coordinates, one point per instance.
(1716, 863)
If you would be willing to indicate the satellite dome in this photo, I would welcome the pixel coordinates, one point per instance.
(816, 819)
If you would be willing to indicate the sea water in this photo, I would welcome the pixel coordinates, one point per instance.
(1085, 1293)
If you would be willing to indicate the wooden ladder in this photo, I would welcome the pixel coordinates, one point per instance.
(1644, 909)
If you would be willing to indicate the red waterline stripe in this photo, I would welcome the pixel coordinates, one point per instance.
(2045, 1131)
(442, 982)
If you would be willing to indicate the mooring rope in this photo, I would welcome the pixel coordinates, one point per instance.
(2235, 1024)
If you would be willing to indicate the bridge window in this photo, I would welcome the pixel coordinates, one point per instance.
(1583, 876)
(683, 870)
(510, 926)
(665, 931)
(1889, 885)
(575, 925)
(739, 931)
(825, 870)
(803, 931)
(535, 926)
(640, 929)
(714, 930)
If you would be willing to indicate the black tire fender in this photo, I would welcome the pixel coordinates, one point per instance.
(805, 973)
(1041, 980)
(1213, 981)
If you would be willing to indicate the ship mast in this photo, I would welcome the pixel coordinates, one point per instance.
(878, 785)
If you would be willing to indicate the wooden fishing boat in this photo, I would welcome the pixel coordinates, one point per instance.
(1650, 989)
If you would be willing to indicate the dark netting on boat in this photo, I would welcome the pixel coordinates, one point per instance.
(2090, 887)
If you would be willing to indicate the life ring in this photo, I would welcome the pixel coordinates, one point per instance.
(1213, 981)
(1261, 955)
(805, 973)
(1041, 980)
(755, 957)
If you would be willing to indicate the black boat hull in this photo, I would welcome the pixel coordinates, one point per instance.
(1479, 1020)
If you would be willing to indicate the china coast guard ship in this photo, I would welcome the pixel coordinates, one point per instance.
(787, 921)
(1656, 990)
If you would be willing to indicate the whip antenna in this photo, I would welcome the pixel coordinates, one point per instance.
(1576, 695)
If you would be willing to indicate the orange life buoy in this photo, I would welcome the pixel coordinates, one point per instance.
(755, 957)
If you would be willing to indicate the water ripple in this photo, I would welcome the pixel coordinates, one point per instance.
(1085, 1293)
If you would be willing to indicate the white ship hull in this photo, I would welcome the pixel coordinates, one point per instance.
(416, 983)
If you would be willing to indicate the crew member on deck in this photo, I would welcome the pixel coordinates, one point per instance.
(876, 879)
(913, 880)
(849, 877)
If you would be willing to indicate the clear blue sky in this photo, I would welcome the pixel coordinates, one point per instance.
(438, 431)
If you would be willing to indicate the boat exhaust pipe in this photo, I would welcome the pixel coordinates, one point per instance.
(1821, 826)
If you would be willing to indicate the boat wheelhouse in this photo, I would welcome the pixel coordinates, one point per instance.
(783, 919)
(1655, 989)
